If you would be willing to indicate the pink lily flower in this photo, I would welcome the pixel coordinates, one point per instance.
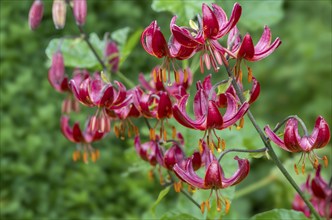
(306, 144)
(84, 139)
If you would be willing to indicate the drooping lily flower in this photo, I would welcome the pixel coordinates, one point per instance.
(93, 91)
(212, 27)
(153, 41)
(206, 111)
(320, 196)
(83, 139)
(245, 49)
(306, 144)
(112, 55)
(214, 178)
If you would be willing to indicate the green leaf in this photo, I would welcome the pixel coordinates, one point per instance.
(279, 214)
(125, 44)
(256, 13)
(161, 195)
(185, 10)
(224, 86)
(76, 52)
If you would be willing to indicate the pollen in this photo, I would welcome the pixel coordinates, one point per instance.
(223, 144)
(219, 205)
(202, 207)
(303, 168)
(185, 75)
(177, 77)
(178, 186)
(163, 75)
(152, 134)
(326, 161)
(228, 205)
(85, 157)
(296, 170)
(200, 145)
(155, 76)
(173, 132)
(316, 163)
(249, 74)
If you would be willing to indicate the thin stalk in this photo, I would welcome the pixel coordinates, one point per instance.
(267, 144)
(127, 81)
(241, 150)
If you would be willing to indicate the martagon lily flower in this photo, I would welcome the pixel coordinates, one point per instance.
(206, 110)
(306, 144)
(245, 49)
(212, 27)
(83, 139)
(214, 178)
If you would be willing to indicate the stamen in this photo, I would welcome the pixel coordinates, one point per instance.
(165, 135)
(155, 75)
(116, 131)
(316, 164)
(93, 123)
(85, 157)
(185, 75)
(200, 145)
(97, 152)
(217, 56)
(176, 76)
(76, 156)
(296, 170)
(152, 134)
(326, 161)
(178, 186)
(219, 205)
(228, 205)
(93, 157)
(303, 167)
(161, 178)
(164, 77)
(208, 204)
(249, 74)
(173, 132)
(150, 175)
(223, 144)
(202, 207)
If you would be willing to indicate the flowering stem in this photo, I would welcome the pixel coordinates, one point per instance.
(280, 124)
(264, 149)
(267, 144)
(127, 81)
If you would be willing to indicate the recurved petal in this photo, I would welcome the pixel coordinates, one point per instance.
(239, 175)
(200, 104)
(246, 49)
(67, 131)
(188, 175)
(323, 133)
(214, 118)
(153, 41)
(319, 187)
(210, 22)
(107, 96)
(213, 175)
(275, 138)
(266, 52)
(292, 137)
(172, 156)
(255, 90)
(164, 106)
(224, 25)
(180, 114)
(265, 40)
(233, 114)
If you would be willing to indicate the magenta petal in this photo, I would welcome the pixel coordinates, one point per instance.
(323, 134)
(232, 115)
(66, 129)
(164, 106)
(153, 41)
(146, 38)
(262, 54)
(213, 175)
(226, 26)
(214, 118)
(291, 137)
(265, 40)
(144, 83)
(239, 175)
(254, 93)
(200, 104)
(210, 22)
(179, 113)
(107, 96)
(172, 156)
(273, 137)
(77, 133)
(188, 175)
(246, 49)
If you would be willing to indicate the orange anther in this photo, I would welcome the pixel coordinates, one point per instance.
(93, 157)
(173, 132)
(316, 163)
(219, 206)
(152, 134)
(165, 135)
(228, 205)
(208, 205)
(178, 186)
(200, 145)
(303, 168)
(85, 157)
(164, 77)
(249, 74)
(150, 175)
(97, 152)
(202, 207)
(326, 161)
(296, 170)
(177, 77)
(185, 75)
(155, 75)
(223, 144)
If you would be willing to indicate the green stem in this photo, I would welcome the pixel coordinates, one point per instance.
(241, 150)
(279, 125)
(254, 187)
(267, 144)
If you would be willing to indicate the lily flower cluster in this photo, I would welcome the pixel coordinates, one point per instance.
(216, 105)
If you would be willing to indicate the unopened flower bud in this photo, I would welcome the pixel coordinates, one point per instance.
(56, 72)
(80, 9)
(112, 55)
(59, 13)
(36, 14)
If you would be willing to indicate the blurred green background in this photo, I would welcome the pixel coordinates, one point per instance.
(40, 181)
